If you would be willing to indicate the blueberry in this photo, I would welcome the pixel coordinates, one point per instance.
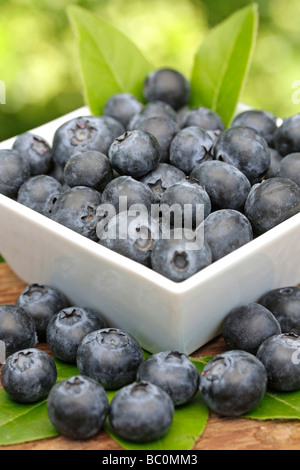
(154, 109)
(169, 86)
(77, 210)
(281, 357)
(175, 260)
(287, 137)
(14, 171)
(40, 194)
(78, 407)
(141, 412)
(187, 193)
(276, 159)
(248, 326)
(227, 187)
(84, 134)
(68, 328)
(36, 151)
(284, 303)
(130, 236)
(17, 329)
(226, 231)
(57, 173)
(127, 187)
(135, 153)
(271, 203)
(233, 383)
(111, 357)
(161, 178)
(28, 375)
(290, 168)
(261, 121)
(41, 303)
(191, 147)
(164, 129)
(204, 118)
(245, 149)
(91, 169)
(122, 107)
(174, 373)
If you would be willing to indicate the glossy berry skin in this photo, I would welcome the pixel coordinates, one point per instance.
(42, 303)
(161, 178)
(17, 329)
(40, 194)
(245, 149)
(247, 327)
(191, 147)
(164, 130)
(261, 121)
(130, 236)
(141, 412)
(204, 118)
(281, 357)
(111, 357)
(78, 407)
(14, 171)
(28, 375)
(271, 203)
(227, 187)
(174, 373)
(233, 383)
(36, 151)
(173, 259)
(169, 86)
(126, 187)
(77, 209)
(276, 159)
(84, 134)
(122, 107)
(226, 231)
(290, 168)
(287, 137)
(151, 110)
(183, 193)
(68, 328)
(284, 303)
(90, 169)
(135, 153)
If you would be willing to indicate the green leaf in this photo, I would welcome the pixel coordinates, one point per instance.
(277, 406)
(110, 62)
(26, 423)
(223, 61)
(2, 259)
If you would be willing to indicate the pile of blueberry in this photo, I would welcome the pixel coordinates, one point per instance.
(163, 153)
(263, 354)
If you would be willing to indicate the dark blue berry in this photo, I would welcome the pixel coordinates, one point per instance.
(68, 328)
(281, 357)
(28, 375)
(164, 129)
(261, 121)
(191, 147)
(78, 407)
(40, 193)
(141, 412)
(17, 329)
(36, 151)
(41, 303)
(169, 86)
(290, 168)
(233, 383)
(57, 173)
(287, 137)
(122, 107)
(154, 109)
(174, 373)
(91, 169)
(204, 118)
(161, 178)
(111, 357)
(284, 303)
(271, 203)
(14, 171)
(276, 159)
(248, 326)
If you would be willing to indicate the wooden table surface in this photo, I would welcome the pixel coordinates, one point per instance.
(220, 434)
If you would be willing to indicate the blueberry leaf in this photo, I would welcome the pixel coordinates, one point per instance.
(223, 61)
(1, 259)
(110, 62)
(284, 406)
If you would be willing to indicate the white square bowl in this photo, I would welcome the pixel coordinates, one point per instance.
(161, 314)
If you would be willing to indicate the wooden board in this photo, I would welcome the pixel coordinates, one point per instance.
(220, 434)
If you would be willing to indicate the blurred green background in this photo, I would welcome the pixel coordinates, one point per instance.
(39, 65)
